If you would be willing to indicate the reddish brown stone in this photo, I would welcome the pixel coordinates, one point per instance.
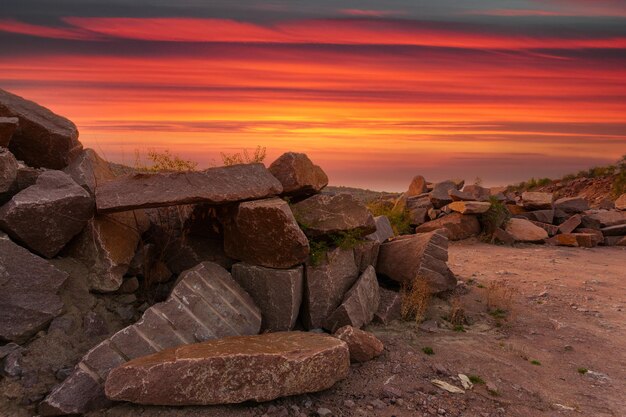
(8, 172)
(502, 236)
(89, 170)
(565, 239)
(533, 200)
(366, 254)
(614, 241)
(571, 205)
(457, 226)
(233, 370)
(298, 175)
(569, 225)
(363, 345)
(213, 186)
(439, 195)
(617, 230)
(417, 186)
(389, 308)
(523, 230)
(550, 228)
(265, 233)
(421, 256)
(543, 216)
(42, 138)
(620, 203)
(586, 240)
(47, 215)
(598, 237)
(478, 193)
(322, 215)
(359, 304)
(598, 219)
(277, 292)
(8, 125)
(469, 207)
(383, 232)
(514, 209)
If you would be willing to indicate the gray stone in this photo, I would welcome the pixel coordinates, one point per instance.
(213, 186)
(597, 219)
(570, 224)
(571, 205)
(28, 299)
(326, 284)
(205, 304)
(8, 171)
(383, 232)
(421, 256)
(389, 308)
(46, 216)
(89, 170)
(323, 214)
(8, 125)
(298, 175)
(440, 195)
(265, 233)
(233, 370)
(533, 200)
(42, 138)
(359, 304)
(277, 293)
(366, 254)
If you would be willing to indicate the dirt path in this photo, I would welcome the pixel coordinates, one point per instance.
(567, 315)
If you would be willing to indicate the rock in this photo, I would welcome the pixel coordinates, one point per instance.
(571, 205)
(586, 240)
(421, 201)
(233, 370)
(550, 228)
(598, 219)
(620, 203)
(12, 365)
(617, 230)
(570, 224)
(277, 292)
(457, 226)
(46, 216)
(479, 193)
(598, 237)
(206, 303)
(94, 325)
(542, 216)
(417, 186)
(323, 215)
(5, 350)
(184, 253)
(324, 412)
(523, 230)
(129, 286)
(89, 170)
(564, 239)
(213, 186)
(359, 304)
(614, 241)
(366, 254)
(439, 196)
(42, 138)
(363, 345)
(418, 216)
(421, 256)
(298, 175)
(457, 195)
(8, 125)
(28, 300)
(515, 210)
(469, 207)
(389, 307)
(533, 200)
(8, 171)
(383, 232)
(447, 387)
(326, 284)
(107, 246)
(502, 236)
(265, 233)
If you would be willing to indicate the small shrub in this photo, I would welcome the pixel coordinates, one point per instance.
(498, 313)
(495, 217)
(317, 252)
(499, 296)
(428, 350)
(535, 362)
(415, 299)
(164, 161)
(400, 219)
(457, 313)
(244, 157)
(543, 182)
(346, 240)
(582, 371)
(475, 379)
(459, 328)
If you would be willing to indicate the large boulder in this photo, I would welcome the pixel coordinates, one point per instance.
(205, 304)
(571, 205)
(597, 219)
(213, 186)
(617, 230)
(89, 170)
(534, 200)
(298, 175)
(440, 195)
(524, 230)
(277, 293)
(477, 192)
(359, 304)
(42, 138)
(417, 186)
(384, 230)
(457, 226)
(47, 215)
(620, 203)
(469, 207)
(323, 215)
(325, 285)
(8, 171)
(543, 216)
(422, 256)
(28, 296)
(107, 245)
(8, 125)
(265, 233)
(233, 370)
(363, 345)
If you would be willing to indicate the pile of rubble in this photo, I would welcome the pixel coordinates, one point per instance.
(264, 281)
(509, 217)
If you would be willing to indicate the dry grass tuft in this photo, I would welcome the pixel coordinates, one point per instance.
(457, 313)
(500, 301)
(415, 299)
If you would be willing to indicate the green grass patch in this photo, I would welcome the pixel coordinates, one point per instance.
(428, 350)
(535, 362)
(475, 379)
(582, 371)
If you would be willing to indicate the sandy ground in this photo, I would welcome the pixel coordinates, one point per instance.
(556, 347)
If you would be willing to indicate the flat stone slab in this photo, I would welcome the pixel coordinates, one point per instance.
(42, 138)
(534, 200)
(28, 292)
(205, 304)
(233, 370)
(457, 226)
(469, 207)
(214, 186)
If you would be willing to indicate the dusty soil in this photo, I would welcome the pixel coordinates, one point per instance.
(568, 311)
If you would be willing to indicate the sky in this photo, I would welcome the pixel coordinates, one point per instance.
(374, 91)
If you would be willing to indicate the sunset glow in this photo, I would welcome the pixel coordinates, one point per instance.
(373, 96)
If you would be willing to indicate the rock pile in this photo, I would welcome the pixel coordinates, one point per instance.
(206, 259)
